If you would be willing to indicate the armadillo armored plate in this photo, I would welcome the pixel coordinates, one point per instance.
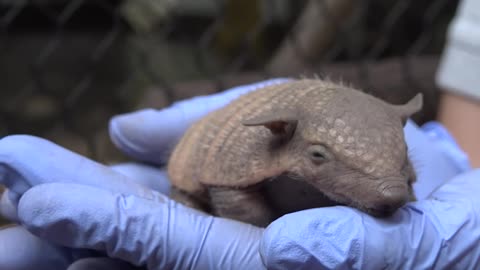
(329, 140)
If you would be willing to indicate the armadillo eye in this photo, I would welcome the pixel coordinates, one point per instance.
(317, 153)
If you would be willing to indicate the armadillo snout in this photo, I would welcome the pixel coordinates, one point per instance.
(392, 197)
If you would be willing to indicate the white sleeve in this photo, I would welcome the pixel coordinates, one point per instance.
(459, 69)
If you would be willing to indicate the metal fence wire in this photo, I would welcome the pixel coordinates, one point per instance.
(67, 67)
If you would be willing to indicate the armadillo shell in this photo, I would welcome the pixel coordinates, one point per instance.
(219, 150)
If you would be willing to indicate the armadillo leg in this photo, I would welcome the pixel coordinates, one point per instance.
(246, 205)
(186, 199)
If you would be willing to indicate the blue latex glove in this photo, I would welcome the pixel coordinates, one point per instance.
(75, 205)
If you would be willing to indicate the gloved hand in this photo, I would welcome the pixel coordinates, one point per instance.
(71, 205)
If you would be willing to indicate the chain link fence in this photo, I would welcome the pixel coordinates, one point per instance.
(66, 67)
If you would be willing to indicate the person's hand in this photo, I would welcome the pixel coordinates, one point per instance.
(34, 169)
(75, 205)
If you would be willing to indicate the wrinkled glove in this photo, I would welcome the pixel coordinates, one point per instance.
(76, 211)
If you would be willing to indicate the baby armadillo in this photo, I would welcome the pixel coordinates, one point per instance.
(296, 145)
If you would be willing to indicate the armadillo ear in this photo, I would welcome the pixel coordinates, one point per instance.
(413, 106)
(278, 122)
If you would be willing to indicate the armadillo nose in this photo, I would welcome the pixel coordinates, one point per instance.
(393, 197)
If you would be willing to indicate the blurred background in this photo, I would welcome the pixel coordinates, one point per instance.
(66, 67)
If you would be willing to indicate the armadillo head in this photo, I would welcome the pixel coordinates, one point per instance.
(349, 145)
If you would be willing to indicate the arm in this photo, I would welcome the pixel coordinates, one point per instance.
(459, 79)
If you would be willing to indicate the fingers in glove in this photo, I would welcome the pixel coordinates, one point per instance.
(8, 205)
(312, 239)
(441, 233)
(433, 167)
(146, 175)
(20, 250)
(463, 189)
(102, 263)
(155, 232)
(26, 161)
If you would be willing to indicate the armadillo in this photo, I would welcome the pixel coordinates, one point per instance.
(296, 145)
